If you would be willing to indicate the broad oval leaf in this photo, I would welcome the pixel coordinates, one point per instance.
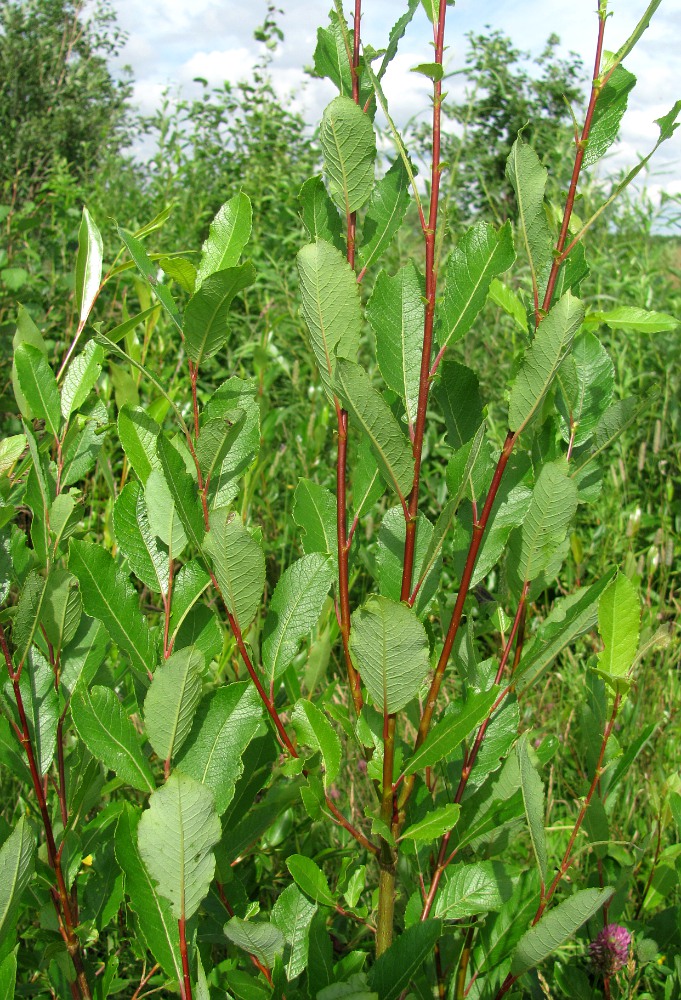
(110, 736)
(205, 318)
(239, 564)
(310, 878)
(228, 234)
(171, 701)
(349, 147)
(389, 648)
(176, 837)
(314, 511)
(319, 214)
(619, 619)
(481, 887)
(256, 937)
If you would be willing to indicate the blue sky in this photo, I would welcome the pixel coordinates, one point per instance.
(171, 42)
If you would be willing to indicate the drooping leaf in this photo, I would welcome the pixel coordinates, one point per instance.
(435, 824)
(149, 271)
(176, 836)
(556, 927)
(553, 504)
(389, 445)
(389, 648)
(392, 972)
(182, 489)
(331, 55)
(330, 305)
(481, 887)
(61, 609)
(586, 381)
(157, 925)
(458, 393)
(480, 255)
(110, 736)
(387, 205)
(619, 618)
(38, 385)
(533, 799)
(228, 234)
(446, 736)
(239, 565)
(610, 107)
(172, 700)
(108, 595)
(224, 725)
(367, 482)
(633, 318)
(313, 728)
(80, 377)
(16, 868)
(292, 914)
(162, 514)
(314, 511)
(257, 937)
(205, 318)
(509, 301)
(396, 312)
(543, 357)
(319, 214)
(216, 440)
(137, 541)
(528, 178)
(310, 878)
(349, 147)
(190, 583)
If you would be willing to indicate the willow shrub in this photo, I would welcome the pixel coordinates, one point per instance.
(175, 757)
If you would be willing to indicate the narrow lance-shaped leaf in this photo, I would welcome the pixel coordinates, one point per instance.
(387, 205)
(319, 214)
(331, 307)
(228, 234)
(434, 825)
(447, 735)
(481, 254)
(183, 490)
(292, 914)
(556, 927)
(392, 972)
(389, 445)
(389, 648)
(176, 836)
(61, 609)
(543, 357)
(313, 728)
(28, 615)
(457, 390)
(205, 318)
(294, 610)
(586, 382)
(149, 272)
(608, 113)
(38, 385)
(533, 799)
(148, 561)
(171, 701)
(108, 595)
(239, 565)
(138, 433)
(349, 147)
(109, 735)
(619, 618)
(396, 312)
(80, 377)
(528, 178)
(391, 539)
(553, 504)
(88, 266)
(41, 704)
(314, 511)
(16, 869)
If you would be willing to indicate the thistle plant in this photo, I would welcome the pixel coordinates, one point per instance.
(173, 751)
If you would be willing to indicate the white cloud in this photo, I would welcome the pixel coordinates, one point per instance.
(217, 66)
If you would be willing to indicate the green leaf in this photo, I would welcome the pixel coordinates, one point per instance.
(457, 390)
(11, 450)
(16, 868)
(28, 615)
(434, 71)
(172, 700)
(446, 736)
(396, 312)
(635, 319)
(41, 705)
(258, 938)
(389, 648)
(553, 505)
(543, 357)
(239, 565)
(294, 610)
(438, 822)
(233, 398)
(8, 977)
(586, 381)
(320, 955)
(385, 212)
(137, 541)
(556, 927)
(228, 234)
(390, 556)
(157, 925)
(504, 297)
(217, 438)
(162, 515)
(349, 147)
(396, 34)
(38, 385)
(176, 836)
(205, 318)
(109, 596)
(149, 272)
(389, 445)
(481, 254)
(138, 433)
(180, 270)
(226, 722)
(532, 788)
(393, 971)
(314, 729)
(610, 107)
(319, 214)
(128, 325)
(482, 887)
(330, 306)
(190, 583)
(88, 266)
(182, 489)
(80, 377)
(61, 609)
(331, 55)
(292, 914)
(619, 619)
(528, 178)
(109, 735)
(314, 511)
(310, 878)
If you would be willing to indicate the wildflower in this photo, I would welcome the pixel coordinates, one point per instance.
(610, 949)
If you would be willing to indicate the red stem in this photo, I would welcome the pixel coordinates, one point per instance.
(187, 983)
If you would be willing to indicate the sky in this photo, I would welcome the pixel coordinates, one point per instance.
(172, 41)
